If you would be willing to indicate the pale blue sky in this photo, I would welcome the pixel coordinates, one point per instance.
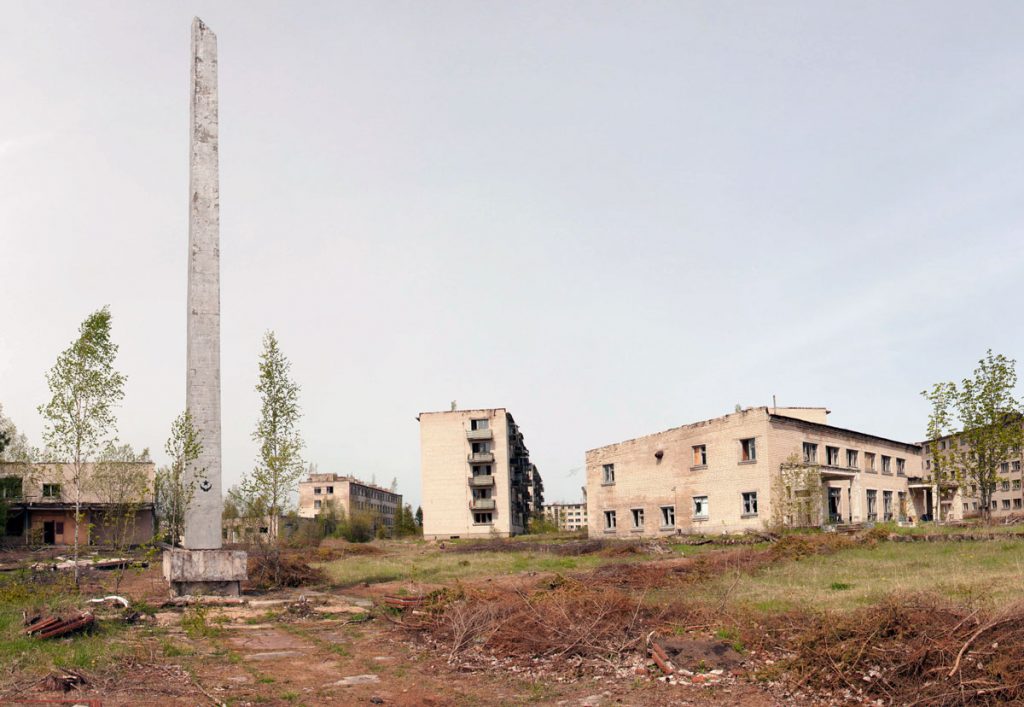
(610, 218)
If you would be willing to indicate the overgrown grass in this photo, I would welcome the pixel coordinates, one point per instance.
(971, 528)
(984, 574)
(436, 567)
(26, 591)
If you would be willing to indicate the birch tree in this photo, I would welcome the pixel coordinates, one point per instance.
(121, 483)
(79, 419)
(175, 487)
(279, 465)
(975, 426)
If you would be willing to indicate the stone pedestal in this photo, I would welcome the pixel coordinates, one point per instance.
(205, 572)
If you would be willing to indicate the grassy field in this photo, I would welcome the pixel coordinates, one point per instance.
(985, 574)
(431, 566)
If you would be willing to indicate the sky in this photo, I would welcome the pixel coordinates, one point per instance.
(610, 218)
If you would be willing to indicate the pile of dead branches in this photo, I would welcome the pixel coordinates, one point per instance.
(274, 568)
(907, 651)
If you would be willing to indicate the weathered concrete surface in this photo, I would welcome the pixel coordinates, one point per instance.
(203, 517)
(205, 571)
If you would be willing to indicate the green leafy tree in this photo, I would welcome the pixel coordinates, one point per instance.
(405, 522)
(175, 486)
(79, 418)
(120, 481)
(279, 465)
(419, 517)
(975, 426)
(14, 446)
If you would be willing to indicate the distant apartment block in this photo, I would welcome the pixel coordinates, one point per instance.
(567, 516)
(349, 494)
(752, 469)
(952, 501)
(477, 476)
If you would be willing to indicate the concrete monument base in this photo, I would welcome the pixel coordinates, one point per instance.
(205, 572)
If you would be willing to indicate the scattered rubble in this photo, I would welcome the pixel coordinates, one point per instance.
(43, 626)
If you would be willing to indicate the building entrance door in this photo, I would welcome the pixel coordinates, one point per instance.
(833, 505)
(49, 532)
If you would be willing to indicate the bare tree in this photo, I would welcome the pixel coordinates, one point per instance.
(79, 418)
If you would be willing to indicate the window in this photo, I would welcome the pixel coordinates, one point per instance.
(851, 458)
(872, 504)
(330, 489)
(887, 504)
(1017, 503)
(1006, 486)
(609, 520)
(869, 461)
(478, 424)
(750, 503)
(316, 503)
(832, 456)
(316, 489)
(700, 455)
(1015, 466)
(886, 464)
(482, 470)
(1006, 504)
(668, 516)
(481, 447)
(609, 473)
(965, 508)
(482, 518)
(58, 527)
(901, 505)
(901, 467)
(700, 506)
(638, 518)
(748, 450)
(481, 493)
(51, 490)
(1004, 468)
(1016, 484)
(810, 453)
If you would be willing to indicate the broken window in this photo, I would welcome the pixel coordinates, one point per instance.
(10, 487)
(609, 520)
(478, 424)
(482, 470)
(700, 506)
(750, 503)
(887, 504)
(901, 467)
(1006, 486)
(886, 464)
(51, 490)
(330, 489)
(1015, 466)
(1016, 484)
(700, 455)
(1016, 503)
(58, 527)
(609, 473)
(748, 450)
(316, 490)
(481, 447)
(316, 503)
(832, 456)
(483, 518)
(1004, 468)
(810, 453)
(872, 504)
(1006, 504)
(481, 493)
(637, 517)
(851, 458)
(869, 461)
(668, 516)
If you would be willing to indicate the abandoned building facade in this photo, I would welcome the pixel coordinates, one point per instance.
(347, 493)
(755, 468)
(956, 501)
(477, 478)
(117, 503)
(567, 516)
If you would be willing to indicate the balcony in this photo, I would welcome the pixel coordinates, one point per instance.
(482, 504)
(481, 480)
(479, 434)
(481, 458)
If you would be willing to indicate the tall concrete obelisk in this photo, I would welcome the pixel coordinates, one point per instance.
(203, 567)
(202, 378)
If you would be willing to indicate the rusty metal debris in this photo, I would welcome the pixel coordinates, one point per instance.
(661, 658)
(42, 626)
(404, 602)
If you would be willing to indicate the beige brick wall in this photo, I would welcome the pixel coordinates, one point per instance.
(643, 480)
(445, 473)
